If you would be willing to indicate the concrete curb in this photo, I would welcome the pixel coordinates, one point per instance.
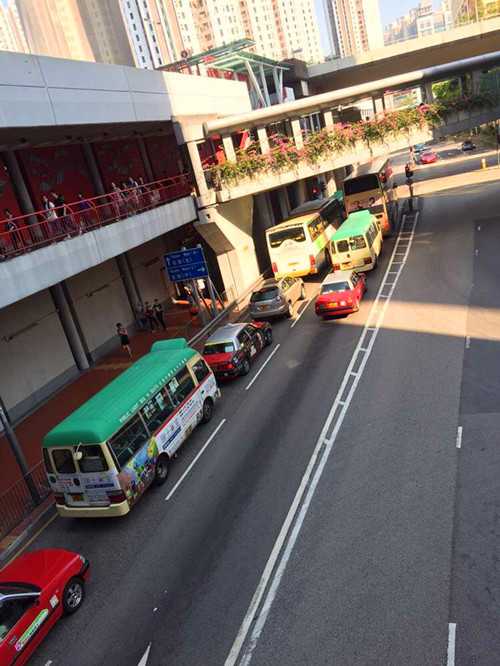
(25, 531)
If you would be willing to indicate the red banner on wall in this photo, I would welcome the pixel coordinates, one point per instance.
(118, 160)
(60, 169)
(164, 156)
(7, 197)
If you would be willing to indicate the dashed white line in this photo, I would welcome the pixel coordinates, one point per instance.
(467, 342)
(300, 314)
(256, 616)
(459, 437)
(452, 635)
(479, 227)
(476, 252)
(145, 656)
(262, 367)
(194, 461)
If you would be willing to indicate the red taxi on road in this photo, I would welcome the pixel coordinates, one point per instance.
(340, 294)
(232, 348)
(428, 157)
(36, 589)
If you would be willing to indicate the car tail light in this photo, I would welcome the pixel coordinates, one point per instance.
(367, 260)
(59, 497)
(312, 261)
(275, 267)
(336, 267)
(117, 496)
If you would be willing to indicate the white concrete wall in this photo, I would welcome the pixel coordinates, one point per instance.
(36, 360)
(41, 91)
(101, 302)
(148, 267)
(38, 270)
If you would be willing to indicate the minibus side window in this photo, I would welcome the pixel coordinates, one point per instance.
(180, 386)
(156, 411)
(129, 440)
(63, 461)
(92, 460)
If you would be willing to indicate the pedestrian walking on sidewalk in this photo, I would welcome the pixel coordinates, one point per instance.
(122, 333)
(158, 310)
(150, 315)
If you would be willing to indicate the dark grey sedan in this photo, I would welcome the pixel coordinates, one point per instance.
(276, 298)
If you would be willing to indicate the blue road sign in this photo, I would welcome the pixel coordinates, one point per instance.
(186, 265)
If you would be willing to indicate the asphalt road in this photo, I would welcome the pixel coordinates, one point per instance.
(399, 518)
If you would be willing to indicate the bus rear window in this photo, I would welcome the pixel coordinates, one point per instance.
(92, 459)
(361, 184)
(295, 234)
(357, 242)
(63, 461)
(342, 246)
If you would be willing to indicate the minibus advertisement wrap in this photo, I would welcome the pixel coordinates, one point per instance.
(101, 458)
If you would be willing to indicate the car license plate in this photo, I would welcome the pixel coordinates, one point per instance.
(265, 307)
(348, 264)
(293, 263)
(332, 305)
(77, 498)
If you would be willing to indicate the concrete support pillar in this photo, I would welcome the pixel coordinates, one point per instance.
(264, 210)
(22, 195)
(300, 192)
(129, 282)
(284, 202)
(297, 133)
(476, 81)
(328, 119)
(331, 185)
(263, 140)
(227, 142)
(71, 326)
(339, 175)
(378, 104)
(95, 174)
(428, 94)
(145, 158)
(196, 166)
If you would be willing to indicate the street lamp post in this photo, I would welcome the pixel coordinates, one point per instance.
(19, 455)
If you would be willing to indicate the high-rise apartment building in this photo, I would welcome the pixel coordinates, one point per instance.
(11, 33)
(105, 30)
(55, 28)
(355, 26)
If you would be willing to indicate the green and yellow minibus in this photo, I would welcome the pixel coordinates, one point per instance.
(357, 244)
(103, 456)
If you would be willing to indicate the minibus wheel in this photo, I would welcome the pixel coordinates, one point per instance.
(161, 469)
(208, 410)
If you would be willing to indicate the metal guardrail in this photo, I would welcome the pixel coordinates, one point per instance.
(25, 233)
(17, 502)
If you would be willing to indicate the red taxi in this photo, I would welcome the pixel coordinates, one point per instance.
(36, 589)
(428, 157)
(232, 348)
(340, 294)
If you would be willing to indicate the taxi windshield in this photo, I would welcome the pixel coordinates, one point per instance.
(335, 286)
(218, 348)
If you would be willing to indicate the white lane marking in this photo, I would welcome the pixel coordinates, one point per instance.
(193, 463)
(263, 366)
(476, 252)
(467, 342)
(262, 600)
(459, 437)
(145, 656)
(300, 313)
(452, 635)
(479, 227)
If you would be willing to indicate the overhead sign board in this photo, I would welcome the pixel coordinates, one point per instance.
(186, 265)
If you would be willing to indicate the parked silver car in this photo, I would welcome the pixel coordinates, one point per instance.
(276, 298)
